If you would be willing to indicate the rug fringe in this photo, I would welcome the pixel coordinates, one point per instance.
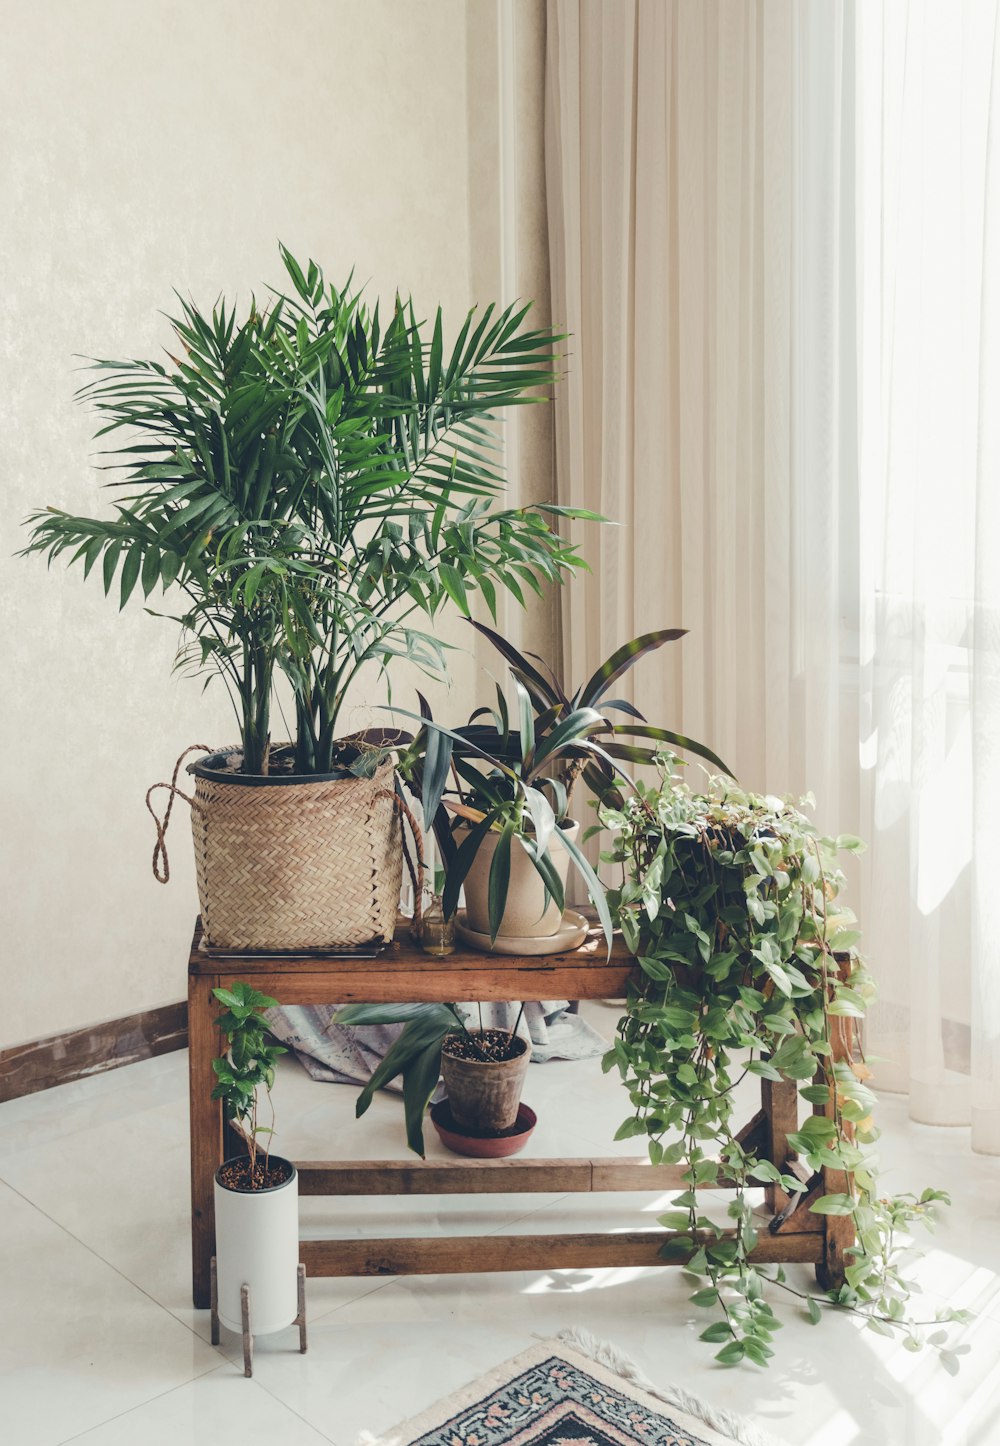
(727, 1423)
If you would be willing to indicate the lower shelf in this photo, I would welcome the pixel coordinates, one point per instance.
(441, 1255)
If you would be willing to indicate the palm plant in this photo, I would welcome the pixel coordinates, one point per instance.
(311, 482)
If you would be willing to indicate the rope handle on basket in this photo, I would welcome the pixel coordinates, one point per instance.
(161, 825)
(416, 874)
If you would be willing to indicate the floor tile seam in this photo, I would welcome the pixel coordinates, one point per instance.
(140, 1405)
(324, 1435)
(526, 1215)
(104, 1261)
(342, 1304)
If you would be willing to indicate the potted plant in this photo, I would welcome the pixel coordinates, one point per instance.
(483, 1072)
(748, 962)
(511, 842)
(307, 481)
(256, 1276)
(514, 776)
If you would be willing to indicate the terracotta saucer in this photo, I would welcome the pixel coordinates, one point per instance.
(495, 1148)
(571, 934)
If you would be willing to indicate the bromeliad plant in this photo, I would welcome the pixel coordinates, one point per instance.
(245, 1070)
(519, 781)
(311, 481)
(749, 963)
(506, 783)
(618, 740)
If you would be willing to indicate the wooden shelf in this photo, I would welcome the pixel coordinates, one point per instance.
(403, 972)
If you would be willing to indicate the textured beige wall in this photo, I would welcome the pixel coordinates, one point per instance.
(150, 145)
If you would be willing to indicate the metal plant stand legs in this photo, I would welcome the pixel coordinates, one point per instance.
(247, 1320)
(300, 1319)
(247, 1330)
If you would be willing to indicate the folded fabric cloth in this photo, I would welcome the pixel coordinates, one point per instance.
(341, 1054)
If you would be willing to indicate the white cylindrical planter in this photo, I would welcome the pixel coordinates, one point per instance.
(526, 915)
(257, 1244)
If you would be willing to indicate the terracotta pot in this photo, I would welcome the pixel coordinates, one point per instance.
(526, 916)
(484, 1094)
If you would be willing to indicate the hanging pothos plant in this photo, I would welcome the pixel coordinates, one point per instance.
(729, 902)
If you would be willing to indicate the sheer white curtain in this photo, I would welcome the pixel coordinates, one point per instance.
(698, 200)
(775, 238)
(930, 532)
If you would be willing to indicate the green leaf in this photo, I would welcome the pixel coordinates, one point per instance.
(499, 881)
(813, 1310)
(622, 660)
(844, 1008)
(454, 585)
(419, 1083)
(705, 1297)
(594, 886)
(437, 761)
(732, 1354)
(834, 1205)
(459, 866)
(110, 563)
(629, 1128)
(570, 730)
(674, 1220)
(527, 723)
(364, 1014)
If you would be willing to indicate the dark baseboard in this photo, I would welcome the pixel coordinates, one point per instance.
(26, 1068)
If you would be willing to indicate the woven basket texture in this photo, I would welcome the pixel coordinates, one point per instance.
(297, 866)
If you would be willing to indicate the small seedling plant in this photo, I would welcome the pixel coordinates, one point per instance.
(749, 964)
(245, 1071)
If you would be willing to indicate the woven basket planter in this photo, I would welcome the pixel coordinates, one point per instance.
(290, 864)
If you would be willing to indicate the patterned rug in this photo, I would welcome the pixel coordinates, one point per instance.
(573, 1391)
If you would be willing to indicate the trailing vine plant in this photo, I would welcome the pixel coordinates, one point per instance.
(749, 964)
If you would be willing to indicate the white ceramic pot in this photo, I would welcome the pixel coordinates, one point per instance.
(526, 916)
(257, 1244)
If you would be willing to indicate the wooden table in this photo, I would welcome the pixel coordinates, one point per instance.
(403, 972)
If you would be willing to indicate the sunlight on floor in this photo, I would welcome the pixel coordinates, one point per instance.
(113, 1266)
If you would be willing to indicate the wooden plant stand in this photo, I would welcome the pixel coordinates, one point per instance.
(403, 972)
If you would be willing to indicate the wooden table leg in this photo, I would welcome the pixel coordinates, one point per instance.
(838, 1230)
(206, 1133)
(780, 1103)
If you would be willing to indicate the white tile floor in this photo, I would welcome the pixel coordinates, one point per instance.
(99, 1342)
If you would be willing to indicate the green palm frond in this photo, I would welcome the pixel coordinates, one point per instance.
(311, 477)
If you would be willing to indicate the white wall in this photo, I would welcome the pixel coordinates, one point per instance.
(145, 146)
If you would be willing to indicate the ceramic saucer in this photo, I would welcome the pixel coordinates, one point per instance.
(571, 934)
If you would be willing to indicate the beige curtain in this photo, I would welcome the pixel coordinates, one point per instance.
(775, 239)
(930, 533)
(696, 202)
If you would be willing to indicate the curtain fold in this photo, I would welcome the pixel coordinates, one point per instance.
(930, 531)
(775, 241)
(695, 171)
